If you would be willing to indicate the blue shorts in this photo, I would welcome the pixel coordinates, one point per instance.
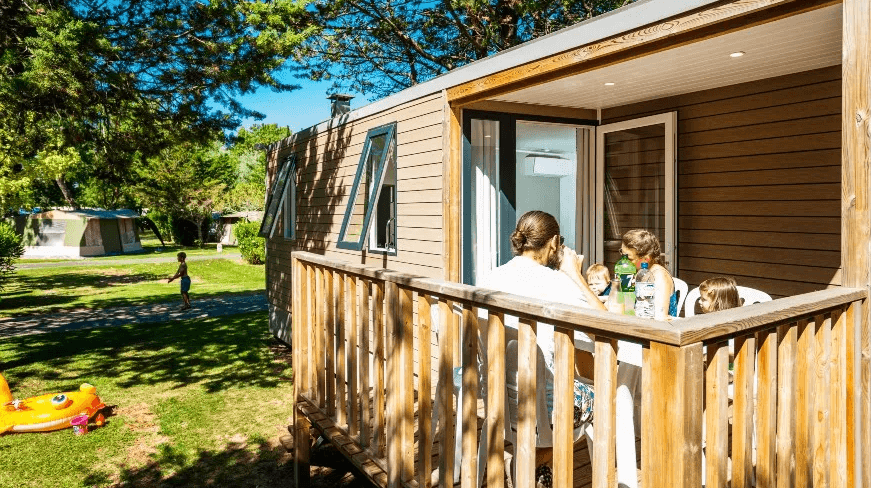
(185, 284)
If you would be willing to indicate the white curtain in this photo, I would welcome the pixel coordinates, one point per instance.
(485, 195)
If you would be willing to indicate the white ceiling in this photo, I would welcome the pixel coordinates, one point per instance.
(792, 45)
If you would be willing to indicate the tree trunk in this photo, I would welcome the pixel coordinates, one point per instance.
(200, 232)
(68, 195)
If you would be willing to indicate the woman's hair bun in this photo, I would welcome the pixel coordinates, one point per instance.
(518, 239)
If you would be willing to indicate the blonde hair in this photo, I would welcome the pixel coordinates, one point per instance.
(599, 271)
(721, 293)
(645, 244)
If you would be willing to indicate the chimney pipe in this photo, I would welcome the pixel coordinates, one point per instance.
(340, 105)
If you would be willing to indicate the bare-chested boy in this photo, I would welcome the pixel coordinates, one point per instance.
(185, 280)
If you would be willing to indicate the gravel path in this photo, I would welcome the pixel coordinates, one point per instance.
(122, 261)
(141, 314)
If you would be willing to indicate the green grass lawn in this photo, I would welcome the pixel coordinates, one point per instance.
(44, 290)
(197, 403)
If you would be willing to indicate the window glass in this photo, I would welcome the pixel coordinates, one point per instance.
(290, 203)
(274, 198)
(376, 169)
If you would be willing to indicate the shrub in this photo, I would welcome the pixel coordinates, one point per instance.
(11, 248)
(251, 246)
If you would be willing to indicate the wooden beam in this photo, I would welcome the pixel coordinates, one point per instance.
(856, 217)
(452, 139)
(692, 27)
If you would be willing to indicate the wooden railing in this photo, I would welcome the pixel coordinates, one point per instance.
(359, 376)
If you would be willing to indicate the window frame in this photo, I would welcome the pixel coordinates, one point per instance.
(274, 200)
(389, 130)
(288, 206)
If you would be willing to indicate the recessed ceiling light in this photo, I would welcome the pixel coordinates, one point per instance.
(610, 83)
(737, 54)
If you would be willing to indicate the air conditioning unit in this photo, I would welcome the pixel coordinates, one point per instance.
(545, 166)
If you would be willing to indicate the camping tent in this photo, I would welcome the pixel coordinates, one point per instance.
(73, 233)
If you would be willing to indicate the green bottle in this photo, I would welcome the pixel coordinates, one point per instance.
(624, 271)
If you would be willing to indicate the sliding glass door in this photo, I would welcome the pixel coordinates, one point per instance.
(635, 184)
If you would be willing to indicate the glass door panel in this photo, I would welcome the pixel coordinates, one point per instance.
(636, 184)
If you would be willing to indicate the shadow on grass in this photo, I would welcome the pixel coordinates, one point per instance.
(254, 464)
(217, 353)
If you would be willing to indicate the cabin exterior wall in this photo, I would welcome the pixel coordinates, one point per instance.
(326, 165)
(759, 181)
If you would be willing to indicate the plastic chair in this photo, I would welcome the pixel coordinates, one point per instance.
(748, 296)
(681, 287)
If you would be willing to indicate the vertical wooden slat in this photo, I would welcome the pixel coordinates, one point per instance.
(717, 415)
(447, 337)
(563, 408)
(496, 400)
(341, 311)
(766, 410)
(424, 391)
(365, 430)
(838, 401)
(405, 341)
(604, 413)
(393, 389)
(320, 327)
(672, 394)
(311, 308)
(804, 393)
(330, 343)
(378, 423)
(451, 195)
(853, 393)
(352, 325)
(786, 418)
(301, 347)
(469, 469)
(742, 419)
(300, 423)
(526, 384)
(822, 379)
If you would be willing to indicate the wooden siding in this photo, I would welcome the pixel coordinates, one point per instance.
(327, 163)
(759, 181)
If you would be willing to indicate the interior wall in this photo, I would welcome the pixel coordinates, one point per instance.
(759, 173)
(327, 163)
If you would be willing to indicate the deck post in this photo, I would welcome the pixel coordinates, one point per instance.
(671, 418)
(856, 219)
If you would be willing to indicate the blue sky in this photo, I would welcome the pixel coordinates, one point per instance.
(297, 109)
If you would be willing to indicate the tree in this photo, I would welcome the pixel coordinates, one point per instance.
(185, 181)
(90, 88)
(11, 249)
(248, 192)
(383, 46)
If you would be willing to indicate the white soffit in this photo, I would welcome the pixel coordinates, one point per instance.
(800, 43)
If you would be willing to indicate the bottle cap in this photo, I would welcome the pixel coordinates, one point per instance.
(644, 265)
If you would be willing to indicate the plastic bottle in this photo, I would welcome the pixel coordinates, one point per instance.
(624, 271)
(613, 304)
(644, 293)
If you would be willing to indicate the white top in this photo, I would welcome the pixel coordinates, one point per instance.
(523, 276)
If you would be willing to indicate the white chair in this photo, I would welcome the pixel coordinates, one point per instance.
(681, 287)
(748, 296)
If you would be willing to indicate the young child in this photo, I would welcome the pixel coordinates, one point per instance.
(720, 293)
(599, 279)
(185, 280)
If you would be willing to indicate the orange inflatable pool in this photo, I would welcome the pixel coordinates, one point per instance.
(45, 412)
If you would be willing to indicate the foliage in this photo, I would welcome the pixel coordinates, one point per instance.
(11, 248)
(89, 89)
(197, 400)
(44, 290)
(249, 190)
(251, 246)
(383, 46)
(185, 181)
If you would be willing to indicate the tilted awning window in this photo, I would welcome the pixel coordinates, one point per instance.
(275, 198)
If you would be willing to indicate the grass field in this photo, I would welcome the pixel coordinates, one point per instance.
(43, 290)
(197, 403)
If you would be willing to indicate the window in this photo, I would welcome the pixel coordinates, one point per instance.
(275, 197)
(290, 200)
(373, 194)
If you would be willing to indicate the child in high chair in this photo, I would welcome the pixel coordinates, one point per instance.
(720, 293)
